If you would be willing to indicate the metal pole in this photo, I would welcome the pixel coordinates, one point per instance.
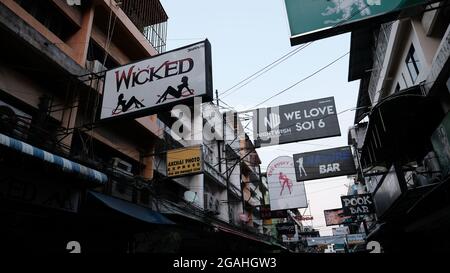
(217, 98)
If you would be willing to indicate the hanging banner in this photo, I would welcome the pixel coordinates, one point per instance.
(361, 204)
(284, 193)
(184, 161)
(334, 217)
(324, 163)
(174, 77)
(311, 20)
(295, 122)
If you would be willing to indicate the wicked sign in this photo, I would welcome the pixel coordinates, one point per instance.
(360, 204)
(174, 77)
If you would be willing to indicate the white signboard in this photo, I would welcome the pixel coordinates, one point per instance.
(340, 231)
(325, 240)
(176, 76)
(356, 238)
(284, 192)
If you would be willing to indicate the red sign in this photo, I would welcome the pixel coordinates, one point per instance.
(304, 217)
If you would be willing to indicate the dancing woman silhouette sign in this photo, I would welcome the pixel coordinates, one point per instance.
(284, 192)
(285, 182)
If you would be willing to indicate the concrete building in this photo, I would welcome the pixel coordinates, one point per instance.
(401, 118)
(67, 177)
(52, 56)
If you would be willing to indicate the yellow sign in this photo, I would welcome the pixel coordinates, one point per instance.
(184, 161)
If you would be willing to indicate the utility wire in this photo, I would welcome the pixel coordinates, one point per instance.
(262, 71)
(281, 59)
(300, 81)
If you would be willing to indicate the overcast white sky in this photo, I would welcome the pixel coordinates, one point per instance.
(248, 35)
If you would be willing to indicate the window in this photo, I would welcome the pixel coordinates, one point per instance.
(404, 80)
(49, 15)
(413, 64)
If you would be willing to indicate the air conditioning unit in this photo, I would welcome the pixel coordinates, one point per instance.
(95, 66)
(212, 204)
(122, 166)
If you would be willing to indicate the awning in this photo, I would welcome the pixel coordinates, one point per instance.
(65, 164)
(133, 210)
(399, 128)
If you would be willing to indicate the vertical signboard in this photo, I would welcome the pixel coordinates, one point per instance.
(310, 20)
(141, 88)
(324, 163)
(295, 122)
(284, 193)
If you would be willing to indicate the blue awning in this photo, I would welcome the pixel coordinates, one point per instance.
(65, 164)
(133, 210)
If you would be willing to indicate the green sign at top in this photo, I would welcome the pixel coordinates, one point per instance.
(315, 19)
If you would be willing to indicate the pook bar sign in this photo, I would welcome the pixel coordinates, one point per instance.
(361, 204)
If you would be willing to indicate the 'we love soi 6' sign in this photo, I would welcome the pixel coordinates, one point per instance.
(295, 122)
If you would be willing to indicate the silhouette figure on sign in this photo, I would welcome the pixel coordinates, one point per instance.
(125, 106)
(300, 166)
(285, 182)
(177, 93)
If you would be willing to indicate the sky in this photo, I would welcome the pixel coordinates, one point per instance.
(246, 36)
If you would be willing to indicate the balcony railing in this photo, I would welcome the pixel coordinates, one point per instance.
(24, 129)
(150, 18)
(214, 173)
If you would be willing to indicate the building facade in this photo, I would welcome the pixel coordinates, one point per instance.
(104, 186)
(401, 127)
